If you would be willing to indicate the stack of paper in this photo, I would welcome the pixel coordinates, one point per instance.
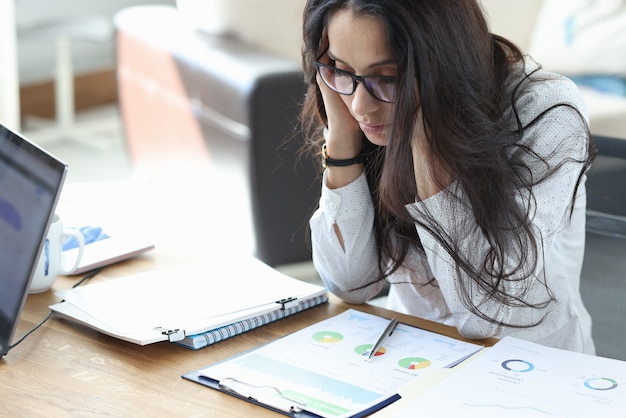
(172, 304)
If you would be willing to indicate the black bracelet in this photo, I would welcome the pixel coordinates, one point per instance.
(331, 162)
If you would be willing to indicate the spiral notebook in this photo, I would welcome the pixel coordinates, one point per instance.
(213, 336)
(193, 305)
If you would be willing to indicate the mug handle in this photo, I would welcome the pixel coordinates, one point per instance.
(72, 232)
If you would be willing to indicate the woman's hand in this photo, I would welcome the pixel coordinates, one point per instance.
(344, 134)
(344, 138)
(431, 175)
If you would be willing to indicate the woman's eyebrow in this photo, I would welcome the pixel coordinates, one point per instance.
(382, 63)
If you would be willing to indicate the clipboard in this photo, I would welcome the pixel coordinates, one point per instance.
(325, 370)
(260, 397)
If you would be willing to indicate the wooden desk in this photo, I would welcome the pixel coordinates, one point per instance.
(65, 369)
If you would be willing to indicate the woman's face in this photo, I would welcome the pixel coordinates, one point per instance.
(357, 44)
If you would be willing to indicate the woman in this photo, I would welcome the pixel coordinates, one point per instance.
(454, 170)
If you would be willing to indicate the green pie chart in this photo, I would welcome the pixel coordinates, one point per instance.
(414, 363)
(327, 337)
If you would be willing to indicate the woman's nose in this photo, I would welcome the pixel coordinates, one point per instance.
(363, 102)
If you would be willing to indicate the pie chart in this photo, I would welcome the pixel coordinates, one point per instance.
(327, 337)
(414, 363)
(365, 349)
(601, 383)
(517, 365)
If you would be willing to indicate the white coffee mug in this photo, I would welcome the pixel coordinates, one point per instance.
(51, 260)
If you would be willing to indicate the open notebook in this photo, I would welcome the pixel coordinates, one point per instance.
(110, 219)
(105, 249)
(194, 305)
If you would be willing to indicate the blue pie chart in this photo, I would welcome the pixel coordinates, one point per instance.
(517, 365)
(601, 383)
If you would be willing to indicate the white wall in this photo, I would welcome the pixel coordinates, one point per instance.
(513, 19)
(9, 91)
(276, 25)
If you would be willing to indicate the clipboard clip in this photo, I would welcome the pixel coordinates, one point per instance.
(268, 396)
(173, 335)
(288, 303)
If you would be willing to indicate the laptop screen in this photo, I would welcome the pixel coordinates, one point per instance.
(30, 184)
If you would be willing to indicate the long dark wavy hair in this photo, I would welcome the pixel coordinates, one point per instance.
(444, 50)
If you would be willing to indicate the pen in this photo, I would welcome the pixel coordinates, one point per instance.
(383, 337)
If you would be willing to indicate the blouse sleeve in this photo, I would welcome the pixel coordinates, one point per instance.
(560, 139)
(349, 273)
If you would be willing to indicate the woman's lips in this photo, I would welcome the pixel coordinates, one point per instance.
(372, 129)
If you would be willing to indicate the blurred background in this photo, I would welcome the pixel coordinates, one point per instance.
(205, 92)
(32, 31)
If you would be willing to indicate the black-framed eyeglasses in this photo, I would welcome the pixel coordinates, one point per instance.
(381, 87)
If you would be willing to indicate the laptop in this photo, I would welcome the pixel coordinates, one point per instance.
(30, 183)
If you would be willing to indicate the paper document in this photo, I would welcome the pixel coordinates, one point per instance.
(325, 367)
(516, 378)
